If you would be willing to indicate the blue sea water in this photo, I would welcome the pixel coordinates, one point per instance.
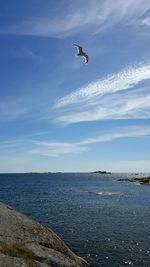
(103, 220)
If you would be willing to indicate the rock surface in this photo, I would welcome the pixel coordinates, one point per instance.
(143, 180)
(48, 249)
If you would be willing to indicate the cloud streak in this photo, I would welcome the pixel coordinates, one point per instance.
(55, 149)
(146, 21)
(123, 80)
(13, 109)
(119, 106)
(118, 96)
(31, 146)
(97, 15)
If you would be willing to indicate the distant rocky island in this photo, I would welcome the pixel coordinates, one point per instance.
(25, 242)
(101, 172)
(143, 180)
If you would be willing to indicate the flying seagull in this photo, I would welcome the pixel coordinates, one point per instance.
(81, 53)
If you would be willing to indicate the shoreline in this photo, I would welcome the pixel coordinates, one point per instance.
(26, 242)
(139, 180)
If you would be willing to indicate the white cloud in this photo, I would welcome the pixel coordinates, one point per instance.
(23, 107)
(95, 15)
(54, 149)
(123, 80)
(146, 21)
(118, 106)
(115, 97)
(10, 144)
(123, 132)
(13, 109)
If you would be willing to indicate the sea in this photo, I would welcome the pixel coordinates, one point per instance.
(103, 220)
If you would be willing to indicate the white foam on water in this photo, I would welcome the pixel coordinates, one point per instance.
(102, 193)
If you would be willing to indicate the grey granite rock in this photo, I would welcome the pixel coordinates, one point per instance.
(48, 249)
(142, 180)
(6, 261)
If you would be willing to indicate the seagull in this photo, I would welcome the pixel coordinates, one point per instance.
(81, 53)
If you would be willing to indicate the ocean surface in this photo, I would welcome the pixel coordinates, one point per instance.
(103, 220)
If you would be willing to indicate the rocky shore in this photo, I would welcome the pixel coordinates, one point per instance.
(26, 243)
(143, 180)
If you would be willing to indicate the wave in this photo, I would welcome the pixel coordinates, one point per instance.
(119, 194)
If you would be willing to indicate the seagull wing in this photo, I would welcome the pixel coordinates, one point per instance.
(86, 57)
(79, 48)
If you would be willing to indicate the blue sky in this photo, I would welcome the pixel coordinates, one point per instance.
(59, 114)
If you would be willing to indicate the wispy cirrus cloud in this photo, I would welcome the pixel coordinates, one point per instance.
(31, 145)
(95, 15)
(13, 109)
(146, 21)
(123, 80)
(114, 97)
(118, 106)
(10, 144)
(55, 149)
(25, 53)
(24, 107)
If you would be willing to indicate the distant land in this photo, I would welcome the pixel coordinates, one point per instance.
(101, 172)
